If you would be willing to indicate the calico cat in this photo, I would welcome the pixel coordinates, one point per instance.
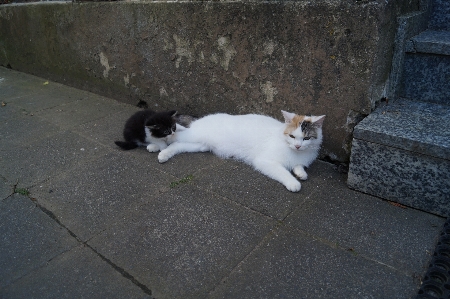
(270, 146)
(152, 129)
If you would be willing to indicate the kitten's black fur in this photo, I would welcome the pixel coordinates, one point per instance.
(160, 124)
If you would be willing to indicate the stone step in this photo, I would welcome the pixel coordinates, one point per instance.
(431, 42)
(426, 68)
(440, 15)
(401, 152)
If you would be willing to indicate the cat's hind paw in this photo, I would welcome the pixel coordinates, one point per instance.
(294, 186)
(152, 148)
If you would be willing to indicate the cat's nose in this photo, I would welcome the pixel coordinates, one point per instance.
(297, 146)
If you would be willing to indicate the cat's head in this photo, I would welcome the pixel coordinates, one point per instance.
(162, 124)
(303, 131)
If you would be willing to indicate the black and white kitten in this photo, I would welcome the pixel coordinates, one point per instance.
(155, 130)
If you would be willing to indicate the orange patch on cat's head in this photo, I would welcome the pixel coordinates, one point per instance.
(294, 124)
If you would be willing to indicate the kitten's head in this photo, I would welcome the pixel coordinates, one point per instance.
(302, 131)
(162, 124)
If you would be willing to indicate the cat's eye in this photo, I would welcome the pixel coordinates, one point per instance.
(306, 138)
(292, 136)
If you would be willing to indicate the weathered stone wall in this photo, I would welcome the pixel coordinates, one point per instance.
(319, 57)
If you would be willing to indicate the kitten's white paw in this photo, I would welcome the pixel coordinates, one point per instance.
(163, 156)
(152, 148)
(294, 186)
(300, 173)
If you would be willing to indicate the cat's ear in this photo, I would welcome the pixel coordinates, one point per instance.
(287, 116)
(172, 113)
(317, 120)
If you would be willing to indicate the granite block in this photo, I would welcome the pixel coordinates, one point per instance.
(402, 176)
(426, 78)
(409, 125)
(440, 16)
(409, 25)
(432, 42)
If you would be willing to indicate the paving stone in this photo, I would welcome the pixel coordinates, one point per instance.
(29, 239)
(240, 182)
(107, 129)
(93, 196)
(15, 84)
(15, 76)
(40, 160)
(291, 264)
(183, 242)
(78, 273)
(196, 164)
(8, 112)
(6, 188)
(50, 96)
(21, 129)
(86, 109)
(369, 226)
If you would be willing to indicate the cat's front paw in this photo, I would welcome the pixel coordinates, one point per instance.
(294, 186)
(152, 148)
(163, 156)
(300, 172)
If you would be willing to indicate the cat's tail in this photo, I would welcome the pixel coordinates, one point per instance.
(126, 145)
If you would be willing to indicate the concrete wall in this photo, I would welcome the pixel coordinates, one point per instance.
(320, 57)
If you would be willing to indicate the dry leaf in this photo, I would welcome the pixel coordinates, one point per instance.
(46, 83)
(396, 204)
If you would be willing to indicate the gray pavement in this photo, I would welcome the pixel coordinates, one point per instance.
(80, 218)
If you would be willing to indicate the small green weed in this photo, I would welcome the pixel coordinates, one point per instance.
(22, 191)
(184, 180)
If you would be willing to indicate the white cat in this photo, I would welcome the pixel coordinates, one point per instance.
(270, 146)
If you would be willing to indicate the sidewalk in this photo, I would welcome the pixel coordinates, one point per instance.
(80, 218)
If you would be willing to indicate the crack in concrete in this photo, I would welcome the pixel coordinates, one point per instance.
(122, 271)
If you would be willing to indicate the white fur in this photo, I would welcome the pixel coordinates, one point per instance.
(154, 144)
(257, 140)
